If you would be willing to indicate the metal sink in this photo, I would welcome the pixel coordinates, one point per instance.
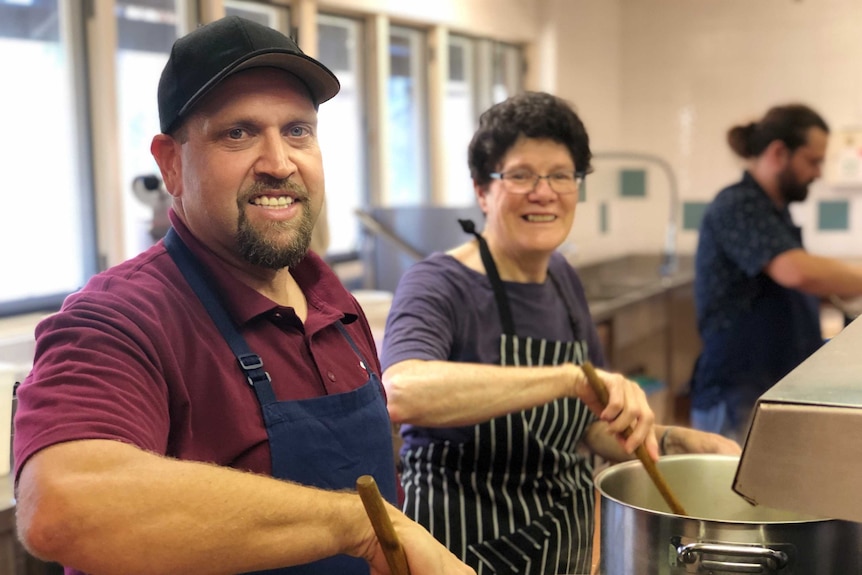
(603, 292)
(629, 277)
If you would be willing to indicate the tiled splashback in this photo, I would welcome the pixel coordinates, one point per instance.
(17, 343)
(670, 77)
(832, 215)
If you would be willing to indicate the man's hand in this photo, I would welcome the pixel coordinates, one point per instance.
(425, 555)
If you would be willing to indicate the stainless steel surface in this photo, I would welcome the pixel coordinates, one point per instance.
(401, 235)
(759, 557)
(611, 285)
(722, 534)
(803, 450)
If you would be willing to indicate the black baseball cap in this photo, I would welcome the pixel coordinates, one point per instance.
(201, 59)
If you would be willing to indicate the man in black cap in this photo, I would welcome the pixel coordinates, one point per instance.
(169, 392)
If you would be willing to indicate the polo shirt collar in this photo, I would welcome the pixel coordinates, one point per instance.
(327, 299)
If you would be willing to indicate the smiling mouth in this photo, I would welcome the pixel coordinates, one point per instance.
(272, 201)
(540, 219)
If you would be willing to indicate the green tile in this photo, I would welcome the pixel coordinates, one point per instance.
(603, 217)
(633, 183)
(692, 214)
(833, 215)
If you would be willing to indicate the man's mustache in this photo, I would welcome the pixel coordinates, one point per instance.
(266, 188)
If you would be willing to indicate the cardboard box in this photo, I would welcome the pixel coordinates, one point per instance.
(804, 450)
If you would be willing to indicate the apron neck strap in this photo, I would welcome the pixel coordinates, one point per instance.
(493, 276)
(500, 295)
(196, 276)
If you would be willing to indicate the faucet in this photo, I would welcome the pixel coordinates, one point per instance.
(669, 257)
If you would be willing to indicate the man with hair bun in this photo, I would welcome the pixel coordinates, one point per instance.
(757, 289)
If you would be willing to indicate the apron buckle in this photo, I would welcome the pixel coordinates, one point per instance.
(252, 364)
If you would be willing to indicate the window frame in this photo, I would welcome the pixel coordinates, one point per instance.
(73, 35)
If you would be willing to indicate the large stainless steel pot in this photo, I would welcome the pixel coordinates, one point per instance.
(722, 533)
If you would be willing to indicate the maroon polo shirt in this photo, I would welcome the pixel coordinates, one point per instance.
(134, 357)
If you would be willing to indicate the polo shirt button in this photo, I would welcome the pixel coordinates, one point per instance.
(331, 376)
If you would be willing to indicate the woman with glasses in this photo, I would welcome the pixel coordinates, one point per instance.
(481, 360)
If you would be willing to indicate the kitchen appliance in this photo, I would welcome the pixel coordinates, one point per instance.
(803, 450)
(722, 533)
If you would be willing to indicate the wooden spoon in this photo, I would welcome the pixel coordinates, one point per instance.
(376, 510)
(657, 478)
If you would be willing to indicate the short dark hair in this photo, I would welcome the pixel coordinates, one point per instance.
(532, 115)
(788, 123)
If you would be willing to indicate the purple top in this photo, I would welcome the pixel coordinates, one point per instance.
(443, 310)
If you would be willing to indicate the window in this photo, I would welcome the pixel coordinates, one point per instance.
(146, 30)
(461, 120)
(47, 226)
(277, 17)
(341, 131)
(145, 33)
(408, 178)
(508, 71)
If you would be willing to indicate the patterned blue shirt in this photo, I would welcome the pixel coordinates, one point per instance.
(741, 232)
(754, 330)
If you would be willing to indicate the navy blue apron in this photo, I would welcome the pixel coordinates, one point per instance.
(738, 365)
(325, 442)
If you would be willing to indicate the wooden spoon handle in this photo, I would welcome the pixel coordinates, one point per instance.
(657, 478)
(376, 510)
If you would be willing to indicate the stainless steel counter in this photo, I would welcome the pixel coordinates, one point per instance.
(614, 284)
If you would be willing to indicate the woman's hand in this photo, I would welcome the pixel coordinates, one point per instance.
(677, 440)
(627, 409)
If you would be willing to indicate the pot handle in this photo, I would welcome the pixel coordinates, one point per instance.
(769, 558)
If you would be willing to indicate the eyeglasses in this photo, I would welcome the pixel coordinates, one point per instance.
(525, 181)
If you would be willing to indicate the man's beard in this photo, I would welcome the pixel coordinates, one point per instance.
(792, 190)
(260, 247)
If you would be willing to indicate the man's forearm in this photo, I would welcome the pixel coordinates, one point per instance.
(107, 507)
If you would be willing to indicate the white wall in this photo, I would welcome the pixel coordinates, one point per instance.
(578, 53)
(669, 77)
(691, 70)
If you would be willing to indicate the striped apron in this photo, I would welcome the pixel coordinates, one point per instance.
(518, 497)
